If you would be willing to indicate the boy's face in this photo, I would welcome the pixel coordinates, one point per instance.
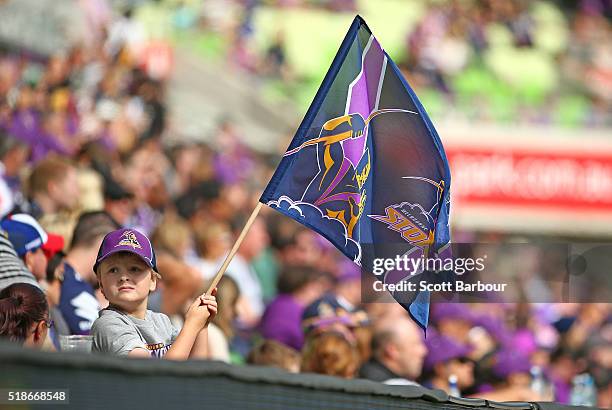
(126, 280)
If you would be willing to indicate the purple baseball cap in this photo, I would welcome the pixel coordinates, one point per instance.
(509, 361)
(451, 311)
(348, 271)
(127, 240)
(442, 349)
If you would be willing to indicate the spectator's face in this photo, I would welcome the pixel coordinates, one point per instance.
(305, 251)
(126, 280)
(519, 379)
(26, 98)
(120, 210)
(37, 263)
(218, 244)
(65, 192)
(464, 370)
(408, 349)
(255, 241)
(455, 328)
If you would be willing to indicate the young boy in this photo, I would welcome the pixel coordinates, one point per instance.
(127, 272)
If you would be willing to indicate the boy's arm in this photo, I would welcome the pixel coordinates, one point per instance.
(192, 341)
(180, 349)
(200, 347)
(182, 346)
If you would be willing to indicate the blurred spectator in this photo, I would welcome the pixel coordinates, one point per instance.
(275, 60)
(53, 187)
(53, 289)
(398, 353)
(448, 358)
(298, 286)
(453, 320)
(250, 306)
(181, 282)
(275, 354)
(28, 239)
(330, 353)
(233, 160)
(221, 330)
(348, 287)
(118, 202)
(13, 156)
(213, 242)
(24, 315)
(12, 269)
(54, 195)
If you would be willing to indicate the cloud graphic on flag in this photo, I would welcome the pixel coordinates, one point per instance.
(313, 217)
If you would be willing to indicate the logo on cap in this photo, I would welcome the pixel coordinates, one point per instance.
(129, 239)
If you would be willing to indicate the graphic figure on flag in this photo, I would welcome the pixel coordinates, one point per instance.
(366, 168)
(337, 188)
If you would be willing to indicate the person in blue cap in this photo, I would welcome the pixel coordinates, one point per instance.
(28, 238)
(12, 269)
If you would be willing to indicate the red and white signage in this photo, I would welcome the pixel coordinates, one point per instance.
(535, 181)
(574, 181)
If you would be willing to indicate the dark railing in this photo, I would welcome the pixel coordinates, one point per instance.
(102, 382)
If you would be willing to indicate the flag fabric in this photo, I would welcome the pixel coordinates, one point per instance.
(366, 168)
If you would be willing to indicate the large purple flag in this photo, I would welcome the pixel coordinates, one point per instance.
(366, 168)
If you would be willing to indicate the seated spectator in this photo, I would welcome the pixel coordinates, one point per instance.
(213, 242)
(511, 370)
(250, 306)
(348, 286)
(453, 320)
(327, 313)
(24, 315)
(331, 353)
(13, 156)
(298, 286)
(221, 330)
(118, 202)
(181, 283)
(445, 358)
(12, 269)
(53, 187)
(275, 354)
(28, 238)
(398, 353)
(53, 289)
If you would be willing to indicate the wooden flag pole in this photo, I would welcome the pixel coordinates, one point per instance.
(230, 255)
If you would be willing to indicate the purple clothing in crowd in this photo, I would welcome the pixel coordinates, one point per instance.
(26, 125)
(282, 321)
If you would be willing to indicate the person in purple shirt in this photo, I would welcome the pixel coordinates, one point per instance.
(25, 121)
(298, 287)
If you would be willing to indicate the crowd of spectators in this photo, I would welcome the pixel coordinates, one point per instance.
(542, 63)
(83, 151)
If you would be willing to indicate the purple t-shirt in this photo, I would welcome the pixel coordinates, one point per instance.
(282, 321)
